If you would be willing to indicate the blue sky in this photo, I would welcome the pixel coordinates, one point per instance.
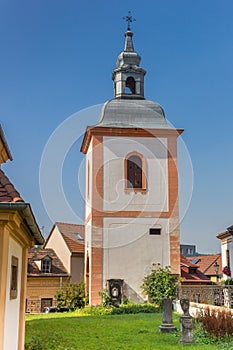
(56, 59)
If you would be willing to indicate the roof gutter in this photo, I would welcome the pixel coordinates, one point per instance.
(27, 214)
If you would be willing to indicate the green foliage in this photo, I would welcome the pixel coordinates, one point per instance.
(160, 284)
(71, 296)
(106, 299)
(34, 344)
(228, 282)
(129, 308)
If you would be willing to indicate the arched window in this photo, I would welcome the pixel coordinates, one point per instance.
(130, 84)
(135, 172)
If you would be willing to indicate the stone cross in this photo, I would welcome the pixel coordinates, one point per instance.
(186, 325)
(167, 325)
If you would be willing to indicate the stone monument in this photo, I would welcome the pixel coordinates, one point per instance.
(186, 324)
(167, 325)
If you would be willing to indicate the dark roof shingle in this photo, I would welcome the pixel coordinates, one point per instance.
(8, 192)
(196, 277)
(35, 254)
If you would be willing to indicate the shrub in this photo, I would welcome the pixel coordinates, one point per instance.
(160, 284)
(217, 323)
(34, 344)
(228, 282)
(106, 299)
(129, 308)
(71, 296)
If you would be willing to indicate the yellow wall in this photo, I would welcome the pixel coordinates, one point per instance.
(42, 287)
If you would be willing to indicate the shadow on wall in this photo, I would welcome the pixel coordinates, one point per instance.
(131, 295)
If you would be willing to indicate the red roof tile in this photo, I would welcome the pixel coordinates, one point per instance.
(8, 192)
(196, 277)
(206, 263)
(70, 234)
(185, 262)
(35, 254)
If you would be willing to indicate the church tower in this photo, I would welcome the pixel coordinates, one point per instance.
(132, 214)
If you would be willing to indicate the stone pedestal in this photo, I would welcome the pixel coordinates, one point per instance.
(167, 325)
(186, 323)
(186, 330)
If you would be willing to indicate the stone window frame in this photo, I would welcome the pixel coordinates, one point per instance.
(14, 277)
(143, 188)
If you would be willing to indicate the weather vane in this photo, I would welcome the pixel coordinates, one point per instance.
(129, 19)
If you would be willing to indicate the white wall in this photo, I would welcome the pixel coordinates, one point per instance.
(129, 250)
(11, 323)
(227, 244)
(155, 153)
(57, 243)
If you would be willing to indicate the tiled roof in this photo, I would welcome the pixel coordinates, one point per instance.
(206, 263)
(8, 192)
(70, 234)
(36, 254)
(185, 262)
(197, 277)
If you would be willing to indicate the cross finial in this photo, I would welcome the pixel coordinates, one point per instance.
(129, 19)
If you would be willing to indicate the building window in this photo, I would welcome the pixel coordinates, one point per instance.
(155, 231)
(14, 277)
(227, 258)
(46, 303)
(46, 265)
(135, 172)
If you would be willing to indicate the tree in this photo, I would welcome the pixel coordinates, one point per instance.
(159, 284)
(71, 296)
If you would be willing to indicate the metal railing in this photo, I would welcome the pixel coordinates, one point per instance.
(213, 295)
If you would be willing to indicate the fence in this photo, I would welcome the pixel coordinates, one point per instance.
(213, 295)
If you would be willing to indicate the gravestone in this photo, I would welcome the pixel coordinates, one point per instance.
(167, 326)
(186, 324)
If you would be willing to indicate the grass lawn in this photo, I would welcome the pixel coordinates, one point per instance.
(70, 331)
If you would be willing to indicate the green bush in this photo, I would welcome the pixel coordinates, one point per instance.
(160, 284)
(129, 308)
(71, 296)
(106, 299)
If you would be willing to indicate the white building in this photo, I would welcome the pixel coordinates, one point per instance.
(226, 251)
(132, 215)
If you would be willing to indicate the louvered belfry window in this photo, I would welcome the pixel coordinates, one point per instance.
(134, 172)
